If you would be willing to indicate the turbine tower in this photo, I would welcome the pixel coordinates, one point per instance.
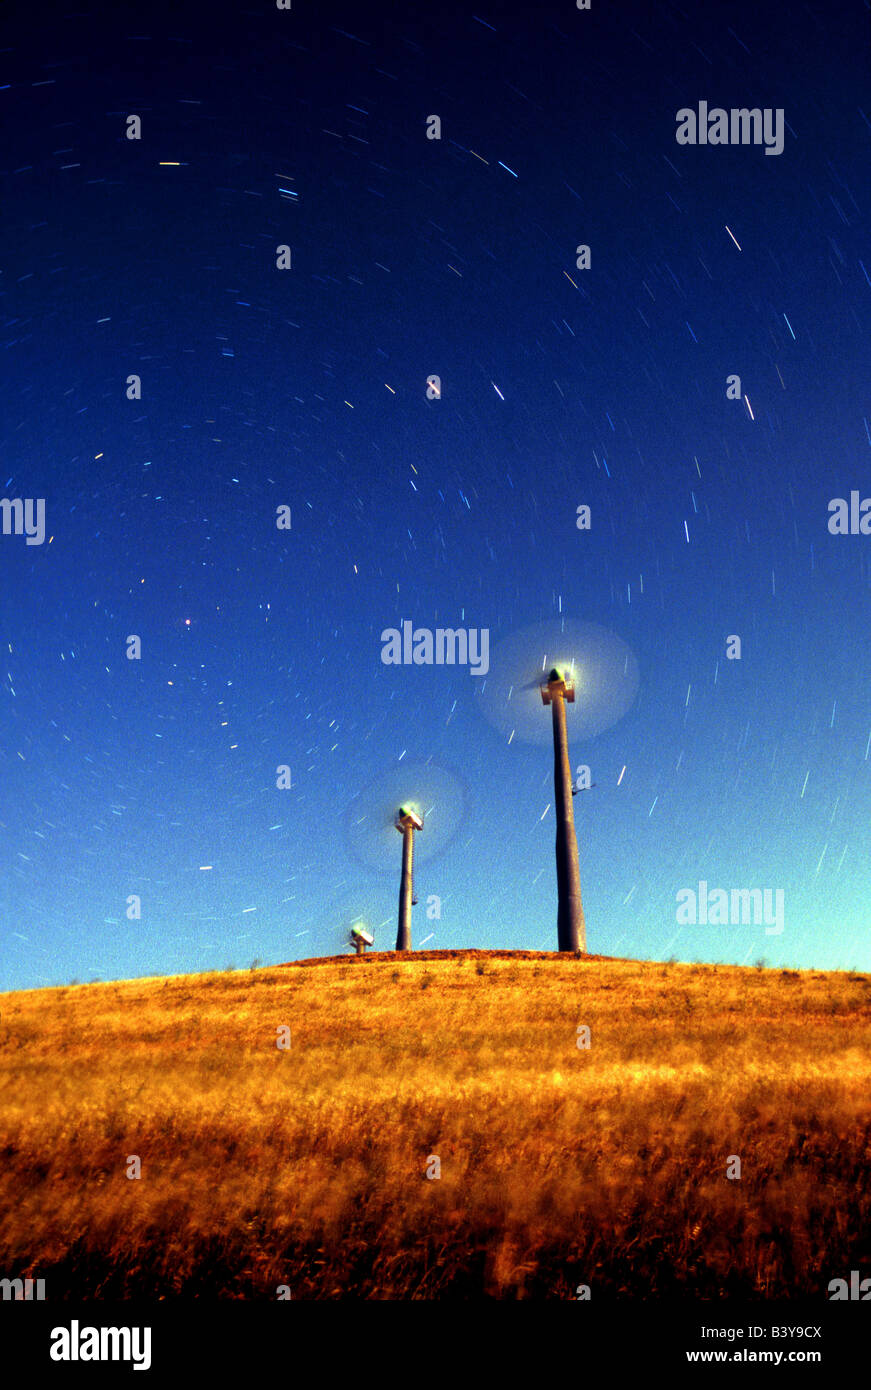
(406, 823)
(571, 929)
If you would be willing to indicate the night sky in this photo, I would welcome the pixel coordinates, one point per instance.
(306, 387)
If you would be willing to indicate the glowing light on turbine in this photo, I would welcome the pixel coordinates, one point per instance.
(602, 668)
(432, 793)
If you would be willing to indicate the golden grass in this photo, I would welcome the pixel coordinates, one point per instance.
(559, 1166)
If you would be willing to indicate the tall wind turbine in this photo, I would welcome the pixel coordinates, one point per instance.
(406, 823)
(560, 662)
(571, 929)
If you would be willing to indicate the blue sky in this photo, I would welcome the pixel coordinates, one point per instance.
(560, 387)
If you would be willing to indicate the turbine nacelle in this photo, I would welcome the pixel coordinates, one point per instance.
(557, 684)
(406, 818)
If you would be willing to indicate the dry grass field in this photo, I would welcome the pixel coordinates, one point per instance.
(560, 1165)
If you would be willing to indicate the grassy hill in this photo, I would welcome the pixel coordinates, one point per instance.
(560, 1165)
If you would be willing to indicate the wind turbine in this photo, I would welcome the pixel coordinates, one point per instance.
(360, 938)
(407, 821)
(423, 791)
(594, 671)
(352, 918)
(571, 928)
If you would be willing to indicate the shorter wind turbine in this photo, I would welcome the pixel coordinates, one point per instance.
(422, 791)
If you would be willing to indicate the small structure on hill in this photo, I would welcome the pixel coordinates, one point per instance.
(361, 938)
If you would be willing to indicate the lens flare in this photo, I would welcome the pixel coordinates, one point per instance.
(430, 791)
(366, 906)
(601, 666)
